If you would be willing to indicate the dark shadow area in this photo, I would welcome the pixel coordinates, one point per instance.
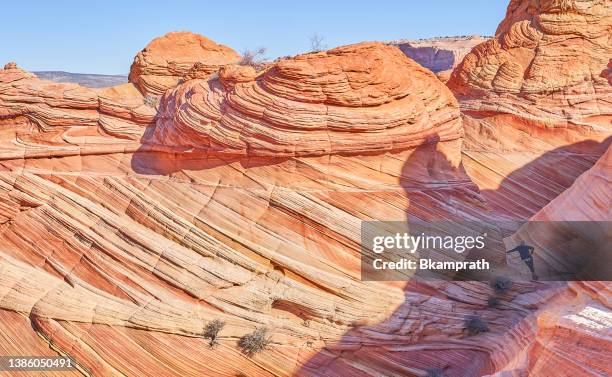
(447, 329)
(155, 159)
(528, 189)
(425, 179)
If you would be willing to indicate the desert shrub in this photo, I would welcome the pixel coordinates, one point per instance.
(434, 372)
(254, 342)
(501, 284)
(475, 325)
(253, 57)
(198, 66)
(151, 100)
(211, 331)
(316, 43)
(493, 302)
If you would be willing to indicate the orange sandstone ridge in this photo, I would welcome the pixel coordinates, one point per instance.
(127, 225)
(543, 75)
(365, 98)
(166, 60)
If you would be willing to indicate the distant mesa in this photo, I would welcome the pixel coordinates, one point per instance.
(84, 79)
(167, 59)
(439, 54)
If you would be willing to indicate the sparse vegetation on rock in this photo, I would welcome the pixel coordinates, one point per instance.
(493, 302)
(254, 342)
(501, 284)
(475, 325)
(316, 43)
(151, 100)
(211, 331)
(253, 58)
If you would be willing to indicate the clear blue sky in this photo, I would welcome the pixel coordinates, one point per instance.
(104, 36)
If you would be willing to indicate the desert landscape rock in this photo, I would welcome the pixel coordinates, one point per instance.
(167, 59)
(577, 320)
(542, 75)
(365, 98)
(529, 91)
(440, 55)
(247, 239)
(86, 80)
(127, 225)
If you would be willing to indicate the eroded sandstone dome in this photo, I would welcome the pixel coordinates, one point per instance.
(118, 245)
(361, 98)
(164, 61)
(544, 70)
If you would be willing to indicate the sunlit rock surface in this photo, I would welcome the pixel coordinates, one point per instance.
(113, 245)
(365, 98)
(126, 225)
(541, 82)
(168, 59)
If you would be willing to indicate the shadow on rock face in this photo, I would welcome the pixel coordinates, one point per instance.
(428, 331)
(528, 189)
(158, 160)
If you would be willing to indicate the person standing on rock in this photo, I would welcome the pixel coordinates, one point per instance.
(526, 253)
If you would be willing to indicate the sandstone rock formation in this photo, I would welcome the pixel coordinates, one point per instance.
(588, 199)
(126, 226)
(577, 320)
(539, 82)
(363, 98)
(78, 117)
(167, 59)
(538, 94)
(112, 246)
(439, 54)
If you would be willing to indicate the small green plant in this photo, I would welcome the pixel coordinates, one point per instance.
(254, 342)
(493, 302)
(475, 325)
(501, 284)
(434, 372)
(211, 331)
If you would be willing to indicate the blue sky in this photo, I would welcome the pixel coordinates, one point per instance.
(103, 37)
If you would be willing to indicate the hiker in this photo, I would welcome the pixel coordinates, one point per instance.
(526, 253)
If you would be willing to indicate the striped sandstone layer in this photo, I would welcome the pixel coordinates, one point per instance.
(364, 98)
(164, 62)
(541, 82)
(119, 243)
